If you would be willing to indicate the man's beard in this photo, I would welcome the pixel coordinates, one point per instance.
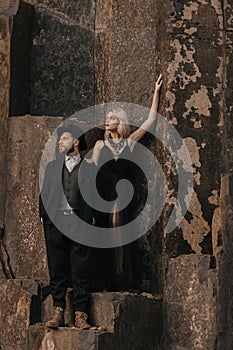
(71, 150)
(65, 151)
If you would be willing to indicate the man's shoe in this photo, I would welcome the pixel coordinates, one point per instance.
(81, 320)
(58, 318)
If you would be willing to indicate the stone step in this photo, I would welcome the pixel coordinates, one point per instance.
(65, 338)
(115, 310)
(133, 320)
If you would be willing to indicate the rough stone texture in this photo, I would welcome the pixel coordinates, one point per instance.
(80, 11)
(193, 101)
(62, 77)
(16, 296)
(118, 313)
(27, 138)
(125, 51)
(125, 68)
(21, 43)
(106, 302)
(225, 270)
(6, 270)
(227, 6)
(4, 107)
(62, 339)
(190, 303)
(228, 159)
(68, 339)
(9, 7)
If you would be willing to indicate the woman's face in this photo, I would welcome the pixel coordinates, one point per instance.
(111, 122)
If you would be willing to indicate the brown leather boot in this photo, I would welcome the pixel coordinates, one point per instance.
(58, 318)
(81, 320)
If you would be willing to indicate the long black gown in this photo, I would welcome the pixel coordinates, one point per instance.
(109, 173)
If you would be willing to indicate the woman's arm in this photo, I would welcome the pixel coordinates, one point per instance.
(137, 135)
(96, 153)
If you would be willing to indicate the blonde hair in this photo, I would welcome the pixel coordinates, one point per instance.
(123, 127)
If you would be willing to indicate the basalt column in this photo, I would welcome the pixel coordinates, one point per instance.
(126, 68)
(194, 61)
(224, 231)
(4, 109)
(52, 47)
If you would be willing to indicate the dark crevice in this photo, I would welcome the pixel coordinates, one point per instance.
(5, 257)
(35, 308)
(21, 44)
(212, 263)
(223, 15)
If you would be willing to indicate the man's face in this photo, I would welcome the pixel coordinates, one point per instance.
(66, 143)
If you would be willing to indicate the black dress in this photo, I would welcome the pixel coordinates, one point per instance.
(108, 260)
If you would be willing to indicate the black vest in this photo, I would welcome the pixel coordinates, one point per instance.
(71, 187)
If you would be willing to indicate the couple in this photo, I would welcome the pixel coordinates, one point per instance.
(61, 199)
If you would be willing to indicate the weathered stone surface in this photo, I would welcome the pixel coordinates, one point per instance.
(136, 14)
(15, 314)
(133, 64)
(126, 15)
(8, 7)
(102, 66)
(68, 339)
(125, 66)
(193, 102)
(224, 265)
(24, 238)
(81, 12)
(20, 66)
(62, 76)
(125, 53)
(102, 310)
(6, 270)
(118, 312)
(62, 339)
(190, 303)
(228, 14)
(224, 253)
(228, 156)
(4, 107)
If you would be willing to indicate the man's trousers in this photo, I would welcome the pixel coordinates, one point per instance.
(67, 260)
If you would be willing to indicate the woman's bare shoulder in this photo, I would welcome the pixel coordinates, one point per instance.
(99, 143)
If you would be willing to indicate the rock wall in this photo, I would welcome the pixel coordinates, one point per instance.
(27, 138)
(224, 266)
(4, 107)
(197, 103)
(59, 77)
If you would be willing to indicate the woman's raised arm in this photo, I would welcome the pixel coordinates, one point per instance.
(137, 135)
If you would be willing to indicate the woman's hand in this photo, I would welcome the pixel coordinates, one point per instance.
(88, 160)
(155, 101)
(158, 83)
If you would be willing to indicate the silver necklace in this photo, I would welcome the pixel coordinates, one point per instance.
(116, 146)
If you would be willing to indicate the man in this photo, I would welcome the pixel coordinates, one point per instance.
(61, 201)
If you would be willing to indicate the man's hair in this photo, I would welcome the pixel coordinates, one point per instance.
(76, 133)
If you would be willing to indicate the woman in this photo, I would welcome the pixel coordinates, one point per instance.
(112, 157)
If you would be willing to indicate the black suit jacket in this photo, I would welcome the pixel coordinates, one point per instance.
(52, 190)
